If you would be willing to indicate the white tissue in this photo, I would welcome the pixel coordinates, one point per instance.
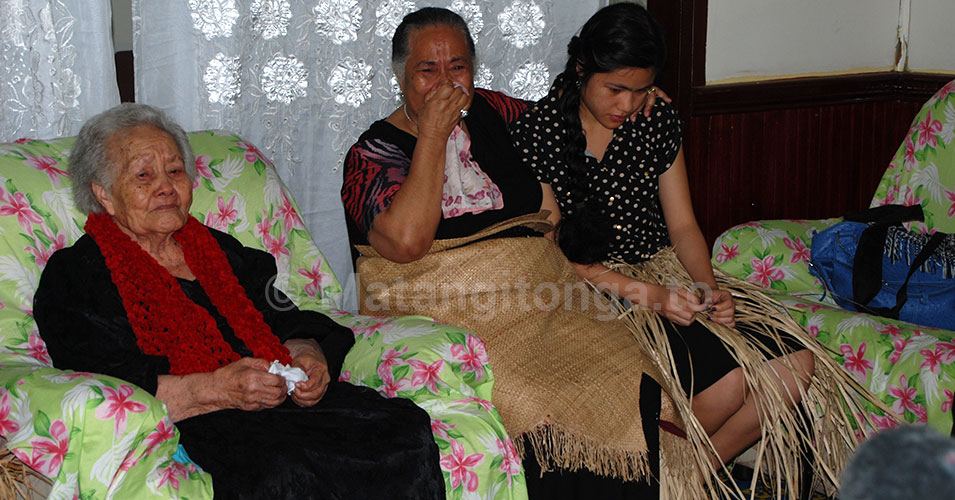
(292, 375)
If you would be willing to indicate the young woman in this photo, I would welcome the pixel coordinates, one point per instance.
(618, 192)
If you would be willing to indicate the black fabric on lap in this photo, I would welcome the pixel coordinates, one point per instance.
(352, 444)
(702, 359)
(700, 356)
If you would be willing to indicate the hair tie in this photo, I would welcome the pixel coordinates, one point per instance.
(573, 45)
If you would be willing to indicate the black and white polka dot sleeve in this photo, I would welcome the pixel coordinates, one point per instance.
(537, 139)
(668, 134)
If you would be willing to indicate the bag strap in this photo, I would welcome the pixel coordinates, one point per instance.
(887, 214)
(867, 263)
(902, 296)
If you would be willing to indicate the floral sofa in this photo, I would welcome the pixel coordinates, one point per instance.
(98, 437)
(910, 367)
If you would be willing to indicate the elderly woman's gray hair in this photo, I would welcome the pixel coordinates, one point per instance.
(427, 16)
(89, 159)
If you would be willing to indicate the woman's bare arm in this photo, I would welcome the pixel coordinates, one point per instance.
(405, 230)
(685, 234)
(688, 241)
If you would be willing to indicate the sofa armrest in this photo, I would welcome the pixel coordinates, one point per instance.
(92, 435)
(415, 357)
(773, 254)
(445, 370)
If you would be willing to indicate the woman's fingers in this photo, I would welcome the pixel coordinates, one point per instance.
(248, 385)
(723, 308)
(267, 389)
(445, 102)
(689, 300)
(309, 392)
(725, 316)
(681, 306)
(654, 93)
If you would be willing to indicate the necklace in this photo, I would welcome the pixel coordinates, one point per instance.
(404, 107)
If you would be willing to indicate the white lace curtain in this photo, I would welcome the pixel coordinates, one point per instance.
(302, 79)
(56, 66)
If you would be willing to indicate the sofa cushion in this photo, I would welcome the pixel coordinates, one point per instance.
(773, 254)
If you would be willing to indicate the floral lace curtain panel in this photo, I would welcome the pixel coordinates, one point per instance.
(56, 66)
(302, 79)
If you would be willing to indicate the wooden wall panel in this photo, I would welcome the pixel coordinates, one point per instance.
(793, 148)
(799, 162)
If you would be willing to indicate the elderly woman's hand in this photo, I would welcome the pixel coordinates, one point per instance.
(247, 384)
(308, 355)
(441, 111)
(653, 93)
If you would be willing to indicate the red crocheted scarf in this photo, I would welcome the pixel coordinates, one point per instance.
(165, 321)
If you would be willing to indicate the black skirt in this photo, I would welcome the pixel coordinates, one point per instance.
(702, 358)
(352, 444)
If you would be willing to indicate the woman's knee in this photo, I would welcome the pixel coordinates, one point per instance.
(714, 405)
(804, 366)
(730, 389)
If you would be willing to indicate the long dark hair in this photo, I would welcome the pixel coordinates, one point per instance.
(619, 36)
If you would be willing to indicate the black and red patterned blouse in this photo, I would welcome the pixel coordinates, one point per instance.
(377, 165)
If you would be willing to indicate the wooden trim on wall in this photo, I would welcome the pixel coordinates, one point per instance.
(804, 147)
(815, 91)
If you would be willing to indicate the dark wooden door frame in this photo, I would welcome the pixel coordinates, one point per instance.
(684, 25)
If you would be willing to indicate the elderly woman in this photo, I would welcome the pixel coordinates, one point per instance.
(447, 223)
(153, 297)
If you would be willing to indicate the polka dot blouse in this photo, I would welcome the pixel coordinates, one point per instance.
(626, 182)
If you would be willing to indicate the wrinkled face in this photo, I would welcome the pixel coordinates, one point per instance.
(436, 54)
(151, 192)
(610, 98)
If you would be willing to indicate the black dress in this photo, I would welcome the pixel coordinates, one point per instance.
(626, 182)
(352, 444)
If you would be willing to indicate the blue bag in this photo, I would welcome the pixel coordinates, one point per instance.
(872, 264)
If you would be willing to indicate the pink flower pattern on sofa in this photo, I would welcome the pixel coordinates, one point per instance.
(909, 367)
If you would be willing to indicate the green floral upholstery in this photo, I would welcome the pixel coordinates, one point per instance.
(910, 367)
(98, 437)
(923, 170)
